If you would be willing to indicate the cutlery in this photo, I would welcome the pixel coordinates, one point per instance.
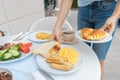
(23, 36)
(18, 36)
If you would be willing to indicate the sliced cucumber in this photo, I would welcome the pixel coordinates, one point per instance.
(15, 54)
(17, 47)
(2, 52)
(7, 56)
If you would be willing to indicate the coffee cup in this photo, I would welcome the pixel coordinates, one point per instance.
(68, 36)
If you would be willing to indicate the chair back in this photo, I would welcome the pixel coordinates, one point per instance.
(47, 24)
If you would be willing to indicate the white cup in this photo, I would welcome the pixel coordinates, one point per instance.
(68, 36)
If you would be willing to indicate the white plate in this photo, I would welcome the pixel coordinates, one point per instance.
(46, 66)
(108, 38)
(24, 55)
(33, 38)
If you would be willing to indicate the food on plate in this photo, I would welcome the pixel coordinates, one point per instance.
(65, 66)
(42, 35)
(2, 33)
(5, 76)
(10, 53)
(65, 59)
(14, 50)
(55, 59)
(47, 49)
(93, 34)
(85, 32)
(6, 45)
(25, 47)
(70, 54)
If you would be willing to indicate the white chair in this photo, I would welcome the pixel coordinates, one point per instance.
(48, 23)
(55, 12)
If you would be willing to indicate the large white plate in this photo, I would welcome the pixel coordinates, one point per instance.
(33, 38)
(24, 55)
(46, 66)
(108, 38)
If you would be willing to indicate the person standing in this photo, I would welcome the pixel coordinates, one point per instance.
(101, 14)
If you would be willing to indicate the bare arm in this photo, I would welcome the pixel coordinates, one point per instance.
(116, 12)
(109, 25)
(64, 9)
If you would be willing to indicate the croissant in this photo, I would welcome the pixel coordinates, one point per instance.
(96, 34)
(85, 32)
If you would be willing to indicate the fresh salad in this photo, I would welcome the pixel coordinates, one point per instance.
(11, 51)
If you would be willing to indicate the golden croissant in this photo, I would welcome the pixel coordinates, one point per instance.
(93, 34)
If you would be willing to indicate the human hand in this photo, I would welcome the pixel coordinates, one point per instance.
(109, 24)
(56, 35)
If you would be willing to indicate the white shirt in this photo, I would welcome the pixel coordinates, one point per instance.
(87, 2)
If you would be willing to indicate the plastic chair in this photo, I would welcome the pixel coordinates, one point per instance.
(48, 23)
(56, 11)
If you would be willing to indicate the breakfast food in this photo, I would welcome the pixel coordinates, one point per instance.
(5, 76)
(42, 36)
(47, 49)
(55, 59)
(70, 54)
(93, 34)
(65, 66)
(14, 50)
(65, 59)
(85, 32)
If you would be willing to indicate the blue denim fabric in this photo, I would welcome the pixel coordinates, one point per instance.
(94, 16)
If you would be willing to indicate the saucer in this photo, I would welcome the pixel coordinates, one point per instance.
(70, 42)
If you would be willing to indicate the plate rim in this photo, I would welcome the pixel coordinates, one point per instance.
(60, 73)
(101, 41)
(38, 39)
(20, 58)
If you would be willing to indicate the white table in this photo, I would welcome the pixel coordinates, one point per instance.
(89, 71)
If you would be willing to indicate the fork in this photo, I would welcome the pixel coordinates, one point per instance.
(19, 35)
(23, 36)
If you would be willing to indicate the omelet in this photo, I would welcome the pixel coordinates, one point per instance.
(70, 54)
(43, 36)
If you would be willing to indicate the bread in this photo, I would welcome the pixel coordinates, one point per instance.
(55, 59)
(85, 32)
(64, 60)
(95, 34)
(47, 49)
(65, 66)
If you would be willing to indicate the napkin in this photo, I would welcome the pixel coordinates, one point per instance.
(21, 73)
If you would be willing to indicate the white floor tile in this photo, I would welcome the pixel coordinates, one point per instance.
(20, 8)
(23, 24)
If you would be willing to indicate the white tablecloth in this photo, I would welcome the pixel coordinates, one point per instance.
(89, 71)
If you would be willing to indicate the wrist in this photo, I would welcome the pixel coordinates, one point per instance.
(57, 28)
(116, 16)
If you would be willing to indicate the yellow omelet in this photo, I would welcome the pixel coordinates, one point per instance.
(70, 54)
